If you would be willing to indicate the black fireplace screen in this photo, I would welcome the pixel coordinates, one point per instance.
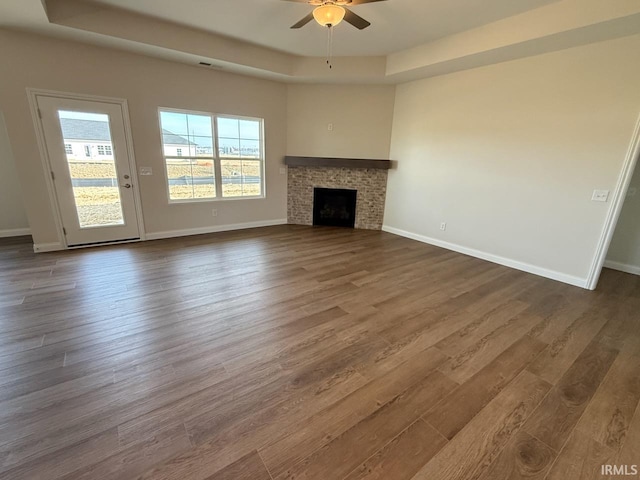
(334, 207)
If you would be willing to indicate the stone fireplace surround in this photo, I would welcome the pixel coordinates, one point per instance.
(368, 177)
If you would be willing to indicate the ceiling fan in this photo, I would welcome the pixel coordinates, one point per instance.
(329, 13)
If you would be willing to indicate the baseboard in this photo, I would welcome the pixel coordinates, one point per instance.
(213, 229)
(623, 267)
(47, 247)
(15, 232)
(507, 262)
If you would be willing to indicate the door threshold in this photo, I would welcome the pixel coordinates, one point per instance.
(101, 244)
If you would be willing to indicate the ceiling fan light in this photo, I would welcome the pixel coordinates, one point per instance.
(329, 15)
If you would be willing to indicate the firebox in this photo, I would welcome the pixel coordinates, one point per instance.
(334, 207)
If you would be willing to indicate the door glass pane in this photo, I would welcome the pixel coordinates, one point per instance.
(90, 156)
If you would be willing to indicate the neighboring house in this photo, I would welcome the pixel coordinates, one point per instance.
(86, 139)
(91, 140)
(177, 146)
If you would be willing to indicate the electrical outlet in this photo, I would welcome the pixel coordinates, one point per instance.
(214, 212)
(283, 171)
(443, 226)
(600, 196)
(146, 171)
(330, 127)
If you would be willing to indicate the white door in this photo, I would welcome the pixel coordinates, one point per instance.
(91, 169)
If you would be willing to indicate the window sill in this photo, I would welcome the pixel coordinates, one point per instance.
(210, 200)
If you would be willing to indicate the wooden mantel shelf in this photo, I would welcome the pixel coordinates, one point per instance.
(337, 162)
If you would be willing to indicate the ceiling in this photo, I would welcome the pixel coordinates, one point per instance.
(408, 39)
(396, 24)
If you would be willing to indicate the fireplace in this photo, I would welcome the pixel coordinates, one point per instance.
(305, 175)
(334, 207)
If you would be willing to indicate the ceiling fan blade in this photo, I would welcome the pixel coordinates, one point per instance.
(303, 22)
(355, 20)
(359, 2)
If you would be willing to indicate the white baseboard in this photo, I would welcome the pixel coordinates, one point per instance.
(213, 229)
(47, 247)
(623, 267)
(507, 262)
(15, 232)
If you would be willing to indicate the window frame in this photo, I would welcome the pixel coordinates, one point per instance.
(217, 158)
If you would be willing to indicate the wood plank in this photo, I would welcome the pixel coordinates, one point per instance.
(566, 348)
(559, 413)
(582, 457)
(609, 414)
(468, 455)
(347, 451)
(331, 422)
(249, 467)
(460, 406)
(401, 458)
(523, 458)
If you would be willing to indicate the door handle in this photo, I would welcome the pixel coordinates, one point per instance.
(127, 185)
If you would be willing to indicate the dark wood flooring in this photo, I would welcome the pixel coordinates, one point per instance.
(309, 353)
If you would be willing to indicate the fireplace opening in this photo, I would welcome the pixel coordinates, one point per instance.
(334, 207)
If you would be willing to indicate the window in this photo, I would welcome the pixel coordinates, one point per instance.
(212, 156)
(104, 150)
(68, 149)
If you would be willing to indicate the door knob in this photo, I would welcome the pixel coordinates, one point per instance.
(127, 185)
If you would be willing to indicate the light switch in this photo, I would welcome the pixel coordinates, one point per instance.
(600, 196)
(146, 171)
(283, 171)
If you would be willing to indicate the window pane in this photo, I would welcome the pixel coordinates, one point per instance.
(93, 171)
(202, 146)
(174, 122)
(229, 147)
(191, 179)
(228, 127)
(186, 133)
(250, 129)
(249, 148)
(241, 178)
(172, 142)
(199, 125)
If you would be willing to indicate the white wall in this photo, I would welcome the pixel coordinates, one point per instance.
(361, 116)
(624, 252)
(509, 154)
(147, 83)
(13, 219)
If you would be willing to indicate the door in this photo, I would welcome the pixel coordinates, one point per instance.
(91, 169)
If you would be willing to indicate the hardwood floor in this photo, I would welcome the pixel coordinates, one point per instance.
(309, 353)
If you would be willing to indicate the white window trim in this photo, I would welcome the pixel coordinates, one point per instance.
(216, 158)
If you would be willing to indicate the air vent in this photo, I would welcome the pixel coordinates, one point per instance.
(211, 65)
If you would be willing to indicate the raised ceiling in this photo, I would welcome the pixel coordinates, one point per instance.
(408, 39)
(396, 24)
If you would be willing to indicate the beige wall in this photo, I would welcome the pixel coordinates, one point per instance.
(625, 245)
(508, 155)
(46, 63)
(361, 117)
(12, 214)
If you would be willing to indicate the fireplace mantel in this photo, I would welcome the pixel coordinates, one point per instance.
(337, 162)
